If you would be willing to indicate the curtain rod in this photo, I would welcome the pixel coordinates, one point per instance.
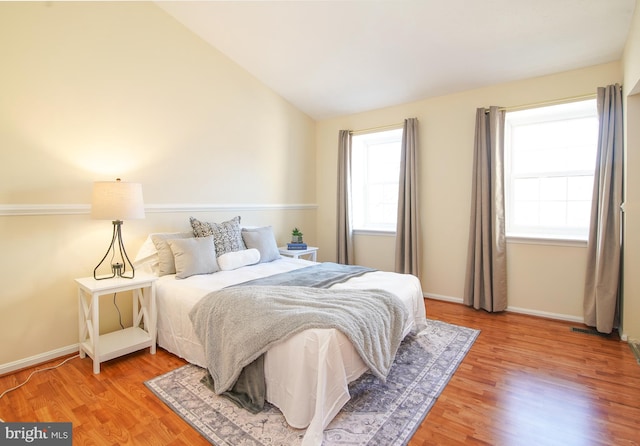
(552, 102)
(382, 127)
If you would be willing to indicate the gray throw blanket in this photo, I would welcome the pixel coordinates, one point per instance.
(321, 275)
(236, 325)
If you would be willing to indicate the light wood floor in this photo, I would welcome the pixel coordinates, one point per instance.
(526, 381)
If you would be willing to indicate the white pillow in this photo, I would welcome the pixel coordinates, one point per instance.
(147, 257)
(263, 240)
(237, 259)
(193, 256)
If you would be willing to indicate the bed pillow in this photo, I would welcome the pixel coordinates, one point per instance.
(263, 240)
(166, 263)
(226, 235)
(147, 257)
(237, 259)
(192, 256)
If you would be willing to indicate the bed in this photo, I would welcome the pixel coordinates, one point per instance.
(306, 375)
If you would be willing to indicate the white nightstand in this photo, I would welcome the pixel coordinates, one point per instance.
(311, 251)
(112, 345)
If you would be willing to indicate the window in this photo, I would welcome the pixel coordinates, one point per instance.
(375, 172)
(550, 158)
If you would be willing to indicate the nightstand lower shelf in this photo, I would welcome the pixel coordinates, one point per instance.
(118, 343)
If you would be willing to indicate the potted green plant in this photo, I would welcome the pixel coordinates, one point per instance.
(296, 236)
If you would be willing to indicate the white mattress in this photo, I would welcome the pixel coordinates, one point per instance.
(306, 375)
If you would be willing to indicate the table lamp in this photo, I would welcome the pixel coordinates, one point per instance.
(117, 201)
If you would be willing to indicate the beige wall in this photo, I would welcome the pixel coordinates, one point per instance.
(631, 286)
(543, 279)
(91, 91)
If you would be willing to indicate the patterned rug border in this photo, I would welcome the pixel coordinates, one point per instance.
(411, 403)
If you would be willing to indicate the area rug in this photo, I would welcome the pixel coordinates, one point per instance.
(378, 413)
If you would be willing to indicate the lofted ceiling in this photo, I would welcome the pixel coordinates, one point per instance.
(336, 57)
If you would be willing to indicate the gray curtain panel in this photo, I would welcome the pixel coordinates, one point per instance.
(407, 230)
(602, 284)
(486, 276)
(344, 225)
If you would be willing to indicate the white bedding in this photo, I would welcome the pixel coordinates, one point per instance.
(306, 375)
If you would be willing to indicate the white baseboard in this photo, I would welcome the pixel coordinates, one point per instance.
(527, 311)
(546, 314)
(37, 359)
(457, 300)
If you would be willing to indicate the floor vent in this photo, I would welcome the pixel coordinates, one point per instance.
(591, 331)
(635, 348)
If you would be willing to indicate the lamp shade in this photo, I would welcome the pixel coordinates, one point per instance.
(117, 200)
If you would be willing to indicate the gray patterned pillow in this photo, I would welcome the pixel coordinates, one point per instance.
(226, 235)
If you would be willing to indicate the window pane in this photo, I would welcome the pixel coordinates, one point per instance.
(553, 189)
(553, 213)
(375, 173)
(384, 162)
(580, 188)
(526, 189)
(526, 213)
(526, 161)
(550, 155)
(578, 214)
(583, 158)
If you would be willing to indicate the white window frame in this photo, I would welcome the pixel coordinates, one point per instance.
(540, 232)
(361, 181)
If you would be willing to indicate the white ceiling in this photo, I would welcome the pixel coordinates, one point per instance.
(331, 58)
